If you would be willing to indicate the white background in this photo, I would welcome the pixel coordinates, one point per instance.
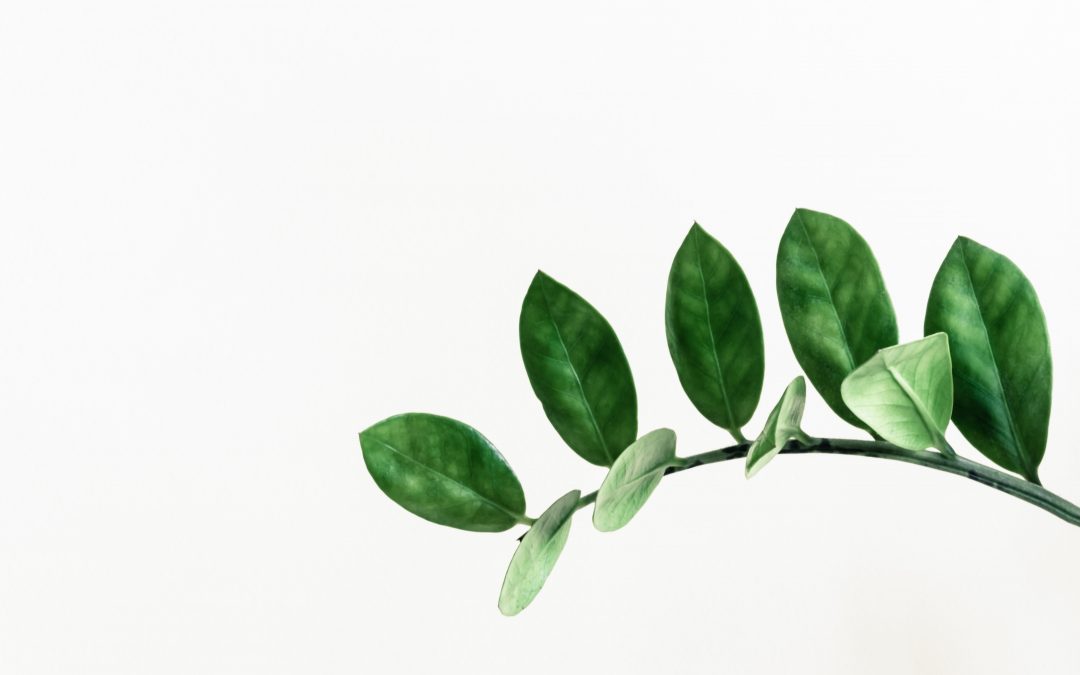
(234, 234)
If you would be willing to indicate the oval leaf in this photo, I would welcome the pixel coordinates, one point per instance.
(578, 371)
(444, 471)
(714, 332)
(782, 425)
(905, 393)
(1001, 354)
(836, 310)
(536, 554)
(632, 478)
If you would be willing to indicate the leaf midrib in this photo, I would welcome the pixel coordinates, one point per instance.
(550, 536)
(577, 379)
(916, 401)
(712, 337)
(637, 479)
(828, 291)
(1021, 455)
(537, 552)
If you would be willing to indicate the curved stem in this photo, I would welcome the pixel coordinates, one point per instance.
(999, 480)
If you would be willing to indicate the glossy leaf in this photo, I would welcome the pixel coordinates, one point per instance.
(905, 393)
(578, 371)
(782, 426)
(836, 310)
(536, 554)
(714, 332)
(444, 471)
(632, 479)
(1001, 354)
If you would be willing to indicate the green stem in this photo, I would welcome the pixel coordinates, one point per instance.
(999, 480)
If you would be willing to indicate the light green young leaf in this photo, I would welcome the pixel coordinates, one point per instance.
(836, 310)
(536, 554)
(1000, 352)
(714, 332)
(905, 393)
(632, 478)
(578, 370)
(781, 426)
(444, 471)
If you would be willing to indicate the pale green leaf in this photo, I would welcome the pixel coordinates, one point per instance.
(632, 478)
(536, 554)
(905, 393)
(781, 426)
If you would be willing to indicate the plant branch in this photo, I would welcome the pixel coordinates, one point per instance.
(999, 480)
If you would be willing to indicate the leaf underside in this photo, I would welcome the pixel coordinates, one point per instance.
(1000, 351)
(782, 425)
(443, 471)
(905, 393)
(537, 554)
(632, 479)
(714, 331)
(836, 310)
(578, 370)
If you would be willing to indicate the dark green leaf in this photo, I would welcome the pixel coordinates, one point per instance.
(835, 307)
(536, 554)
(905, 393)
(1000, 354)
(444, 471)
(578, 371)
(632, 478)
(714, 332)
(781, 426)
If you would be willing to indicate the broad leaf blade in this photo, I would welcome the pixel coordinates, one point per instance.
(836, 310)
(536, 555)
(1001, 354)
(632, 479)
(443, 471)
(905, 393)
(714, 331)
(578, 371)
(782, 425)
